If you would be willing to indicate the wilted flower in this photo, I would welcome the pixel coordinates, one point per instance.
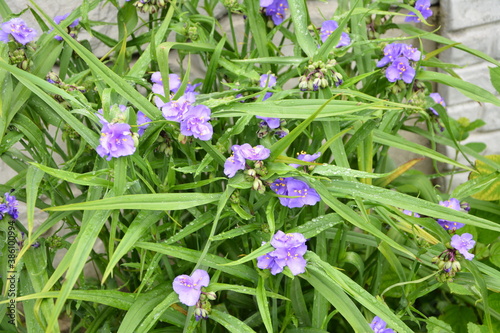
(9, 206)
(423, 6)
(288, 251)
(328, 27)
(303, 156)
(451, 225)
(300, 193)
(463, 244)
(18, 29)
(189, 287)
(378, 326)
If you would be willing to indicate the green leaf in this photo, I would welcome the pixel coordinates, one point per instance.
(488, 179)
(404, 201)
(230, 323)
(300, 18)
(210, 260)
(495, 77)
(339, 279)
(160, 201)
(435, 325)
(143, 221)
(458, 317)
(468, 89)
(263, 305)
(87, 179)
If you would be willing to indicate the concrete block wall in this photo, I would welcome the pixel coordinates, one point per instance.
(476, 24)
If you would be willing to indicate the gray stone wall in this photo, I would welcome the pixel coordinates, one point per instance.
(476, 24)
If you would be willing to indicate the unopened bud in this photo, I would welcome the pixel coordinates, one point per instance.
(211, 295)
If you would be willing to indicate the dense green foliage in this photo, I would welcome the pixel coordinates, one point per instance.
(169, 209)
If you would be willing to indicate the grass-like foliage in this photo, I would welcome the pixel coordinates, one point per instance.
(228, 166)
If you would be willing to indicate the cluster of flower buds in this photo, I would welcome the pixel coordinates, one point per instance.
(150, 6)
(318, 74)
(20, 57)
(447, 260)
(203, 305)
(56, 80)
(447, 264)
(273, 126)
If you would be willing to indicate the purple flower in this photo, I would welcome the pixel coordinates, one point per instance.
(283, 241)
(305, 157)
(235, 162)
(276, 9)
(438, 99)
(400, 69)
(268, 261)
(301, 194)
(270, 122)
(9, 206)
(189, 287)
(267, 81)
(116, 140)
(410, 213)
(423, 6)
(409, 52)
(398, 50)
(378, 326)
(463, 244)
(195, 123)
(176, 110)
(142, 119)
(391, 52)
(451, 225)
(288, 251)
(59, 18)
(18, 29)
(328, 27)
(257, 153)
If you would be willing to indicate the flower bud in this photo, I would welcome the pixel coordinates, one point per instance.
(456, 267)
(211, 295)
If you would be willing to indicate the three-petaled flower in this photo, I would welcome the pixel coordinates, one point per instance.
(19, 31)
(237, 160)
(423, 6)
(378, 325)
(294, 193)
(303, 156)
(328, 27)
(400, 69)
(463, 244)
(451, 225)
(189, 287)
(276, 9)
(288, 252)
(9, 206)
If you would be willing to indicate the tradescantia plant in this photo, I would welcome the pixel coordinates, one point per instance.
(258, 195)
